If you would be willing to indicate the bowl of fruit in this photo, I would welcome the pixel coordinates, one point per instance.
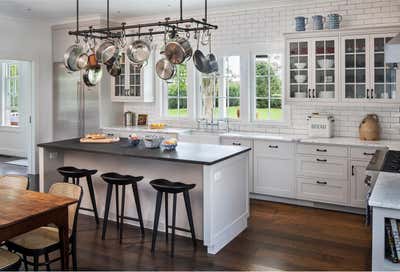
(152, 141)
(169, 144)
(133, 139)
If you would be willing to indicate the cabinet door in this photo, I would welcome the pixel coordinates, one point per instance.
(243, 142)
(383, 76)
(358, 190)
(274, 176)
(325, 69)
(355, 67)
(298, 72)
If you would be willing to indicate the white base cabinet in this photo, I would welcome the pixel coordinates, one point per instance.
(358, 188)
(274, 168)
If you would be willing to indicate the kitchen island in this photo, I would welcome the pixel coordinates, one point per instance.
(220, 201)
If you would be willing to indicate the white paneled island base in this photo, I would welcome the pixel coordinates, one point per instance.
(220, 202)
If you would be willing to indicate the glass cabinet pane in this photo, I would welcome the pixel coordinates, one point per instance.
(298, 75)
(355, 68)
(119, 81)
(325, 69)
(384, 75)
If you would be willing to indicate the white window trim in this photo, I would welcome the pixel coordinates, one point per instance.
(190, 96)
(4, 106)
(286, 110)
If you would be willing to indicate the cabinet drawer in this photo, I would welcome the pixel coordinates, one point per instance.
(325, 150)
(236, 141)
(322, 190)
(322, 166)
(274, 149)
(362, 153)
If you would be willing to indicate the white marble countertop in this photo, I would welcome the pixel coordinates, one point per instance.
(171, 130)
(348, 141)
(386, 192)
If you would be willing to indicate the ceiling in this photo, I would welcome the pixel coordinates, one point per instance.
(61, 10)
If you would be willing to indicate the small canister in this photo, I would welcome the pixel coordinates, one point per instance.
(301, 23)
(334, 21)
(318, 22)
(129, 119)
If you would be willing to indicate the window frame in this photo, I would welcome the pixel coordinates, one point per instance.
(190, 82)
(5, 85)
(253, 90)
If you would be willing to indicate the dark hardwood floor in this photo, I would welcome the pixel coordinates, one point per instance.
(8, 169)
(279, 237)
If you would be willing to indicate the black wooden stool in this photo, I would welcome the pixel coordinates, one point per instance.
(168, 187)
(70, 172)
(121, 180)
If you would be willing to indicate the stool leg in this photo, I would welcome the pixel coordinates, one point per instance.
(78, 182)
(138, 207)
(108, 202)
(117, 203)
(92, 198)
(166, 217)
(156, 219)
(65, 179)
(173, 226)
(186, 197)
(121, 226)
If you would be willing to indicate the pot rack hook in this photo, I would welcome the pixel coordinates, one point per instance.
(77, 22)
(150, 34)
(123, 35)
(108, 18)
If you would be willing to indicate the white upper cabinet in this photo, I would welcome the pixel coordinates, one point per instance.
(346, 65)
(135, 84)
(365, 74)
(312, 69)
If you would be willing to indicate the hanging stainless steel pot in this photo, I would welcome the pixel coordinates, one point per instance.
(114, 69)
(107, 52)
(82, 61)
(138, 52)
(178, 50)
(92, 76)
(71, 56)
(212, 59)
(165, 69)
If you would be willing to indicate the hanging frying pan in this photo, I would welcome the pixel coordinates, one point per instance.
(92, 76)
(165, 69)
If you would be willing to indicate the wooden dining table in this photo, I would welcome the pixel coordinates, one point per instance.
(22, 211)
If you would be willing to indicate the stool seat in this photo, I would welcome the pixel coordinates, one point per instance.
(115, 178)
(167, 186)
(73, 172)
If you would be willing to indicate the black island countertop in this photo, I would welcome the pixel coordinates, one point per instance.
(185, 152)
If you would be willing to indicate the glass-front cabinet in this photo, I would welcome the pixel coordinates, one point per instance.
(134, 84)
(365, 74)
(313, 65)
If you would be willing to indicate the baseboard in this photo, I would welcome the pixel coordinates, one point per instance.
(306, 203)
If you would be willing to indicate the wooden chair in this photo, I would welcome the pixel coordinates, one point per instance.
(9, 261)
(15, 182)
(45, 240)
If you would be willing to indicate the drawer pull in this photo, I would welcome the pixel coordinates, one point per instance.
(322, 150)
(273, 146)
(238, 144)
(322, 182)
(368, 154)
(320, 160)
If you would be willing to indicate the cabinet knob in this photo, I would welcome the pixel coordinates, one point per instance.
(367, 93)
(238, 144)
(321, 182)
(368, 154)
(322, 150)
(273, 146)
(372, 94)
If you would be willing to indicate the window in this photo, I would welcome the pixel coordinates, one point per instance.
(10, 94)
(268, 94)
(177, 99)
(222, 91)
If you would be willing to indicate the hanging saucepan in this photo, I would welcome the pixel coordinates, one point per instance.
(107, 52)
(114, 69)
(212, 59)
(138, 52)
(178, 50)
(92, 76)
(165, 69)
(71, 56)
(200, 61)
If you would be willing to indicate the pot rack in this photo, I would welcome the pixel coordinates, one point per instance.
(167, 26)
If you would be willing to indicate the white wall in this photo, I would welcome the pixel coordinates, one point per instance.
(263, 27)
(31, 41)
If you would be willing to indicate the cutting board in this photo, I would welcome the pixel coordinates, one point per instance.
(99, 141)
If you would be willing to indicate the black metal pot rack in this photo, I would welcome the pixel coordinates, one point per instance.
(167, 26)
